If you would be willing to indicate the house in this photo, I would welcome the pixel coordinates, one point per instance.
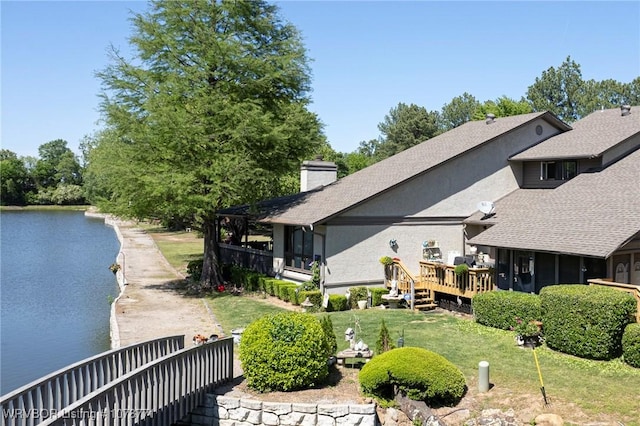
(576, 217)
(397, 206)
(563, 206)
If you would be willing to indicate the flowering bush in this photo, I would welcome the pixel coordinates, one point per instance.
(526, 328)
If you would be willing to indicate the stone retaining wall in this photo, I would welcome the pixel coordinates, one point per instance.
(229, 411)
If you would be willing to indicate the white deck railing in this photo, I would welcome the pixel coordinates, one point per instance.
(159, 393)
(34, 402)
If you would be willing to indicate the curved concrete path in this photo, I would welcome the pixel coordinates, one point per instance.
(150, 305)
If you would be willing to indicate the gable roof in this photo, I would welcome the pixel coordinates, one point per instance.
(592, 215)
(590, 137)
(318, 206)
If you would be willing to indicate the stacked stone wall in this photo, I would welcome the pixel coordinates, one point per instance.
(222, 410)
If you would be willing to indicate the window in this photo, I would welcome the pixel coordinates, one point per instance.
(298, 247)
(558, 170)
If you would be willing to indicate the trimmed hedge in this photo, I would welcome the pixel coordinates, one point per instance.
(287, 292)
(421, 374)
(499, 309)
(585, 321)
(337, 302)
(376, 295)
(284, 352)
(631, 345)
(314, 296)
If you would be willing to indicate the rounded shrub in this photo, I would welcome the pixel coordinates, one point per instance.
(585, 321)
(418, 373)
(284, 352)
(499, 309)
(337, 303)
(631, 345)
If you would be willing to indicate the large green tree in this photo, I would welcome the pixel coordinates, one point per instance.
(404, 127)
(563, 92)
(558, 91)
(56, 164)
(458, 111)
(15, 180)
(502, 107)
(211, 112)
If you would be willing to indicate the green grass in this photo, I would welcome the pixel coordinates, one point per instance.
(180, 254)
(238, 311)
(596, 387)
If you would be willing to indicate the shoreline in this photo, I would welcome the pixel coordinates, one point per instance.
(114, 332)
(150, 304)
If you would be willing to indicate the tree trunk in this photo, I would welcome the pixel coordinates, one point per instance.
(210, 265)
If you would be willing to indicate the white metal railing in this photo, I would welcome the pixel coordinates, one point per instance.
(160, 393)
(34, 402)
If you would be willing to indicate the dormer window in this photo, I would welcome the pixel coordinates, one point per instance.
(558, 170)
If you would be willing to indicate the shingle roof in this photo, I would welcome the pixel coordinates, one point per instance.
(590, 137)
(509, 205)
(356, 188)
(591, 215)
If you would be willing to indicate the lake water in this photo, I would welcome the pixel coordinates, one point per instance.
(55, 292)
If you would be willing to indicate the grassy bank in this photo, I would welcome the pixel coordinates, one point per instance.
(606, 392)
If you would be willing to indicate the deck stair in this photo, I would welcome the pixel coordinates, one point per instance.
(423, 301)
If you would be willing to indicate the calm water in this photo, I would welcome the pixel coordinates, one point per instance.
(55, 289)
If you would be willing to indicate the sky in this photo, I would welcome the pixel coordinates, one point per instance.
(366, 57)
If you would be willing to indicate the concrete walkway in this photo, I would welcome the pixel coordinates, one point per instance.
(150, 304)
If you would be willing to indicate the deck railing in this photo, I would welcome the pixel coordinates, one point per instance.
(406, 281)
(34, 402)
(256, 260)
(442, 278)
(633, 290)
(160, 393)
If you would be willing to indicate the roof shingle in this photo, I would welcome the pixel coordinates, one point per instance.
(590, 137)
(591, 215)
(384, 175)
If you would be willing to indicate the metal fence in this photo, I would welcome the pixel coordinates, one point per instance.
(160, 393)
(35, 402)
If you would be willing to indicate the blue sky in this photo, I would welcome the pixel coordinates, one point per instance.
(367, 57)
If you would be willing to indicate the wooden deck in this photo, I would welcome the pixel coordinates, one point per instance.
(436, 278)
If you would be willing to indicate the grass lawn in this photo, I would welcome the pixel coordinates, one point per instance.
(601, 390)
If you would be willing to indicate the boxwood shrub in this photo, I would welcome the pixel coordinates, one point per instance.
(357, 293)
(376, 295)
(337, 302)
(314, 296)
(499, 309)
(421, 374)
(585, 321)
(631, 345)
(287, 292)
(284, 352)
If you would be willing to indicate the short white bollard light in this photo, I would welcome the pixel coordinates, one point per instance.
(483, 376)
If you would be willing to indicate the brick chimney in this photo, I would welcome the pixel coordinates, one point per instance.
(315, 173)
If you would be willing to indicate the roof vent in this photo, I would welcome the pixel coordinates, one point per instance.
(490, 118)
(626, 110)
